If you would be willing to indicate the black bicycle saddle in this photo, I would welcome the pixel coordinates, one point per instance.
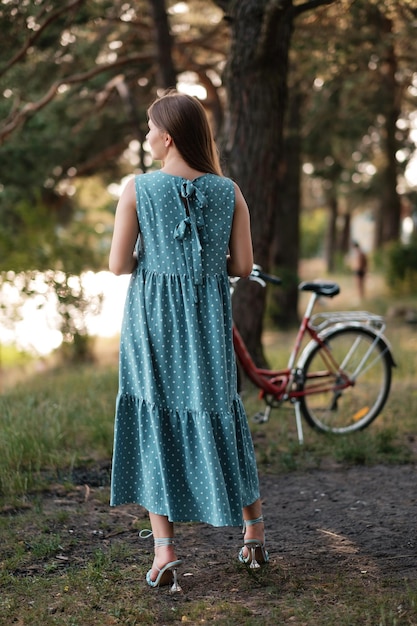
(321, 288)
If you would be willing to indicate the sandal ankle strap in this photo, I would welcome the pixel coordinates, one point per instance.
(252, 522)
(163, 541)
(145, 533)
(158, 541)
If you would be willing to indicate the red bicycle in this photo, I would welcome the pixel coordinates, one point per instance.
(340, 381)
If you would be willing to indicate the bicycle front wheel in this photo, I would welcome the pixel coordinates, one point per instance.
(346, 382)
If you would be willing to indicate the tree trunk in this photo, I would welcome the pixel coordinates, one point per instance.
(345, 237)
(390, 200)
(256, 82)
(286, 243)
(167, 75)
(390, 206)
(331, 235)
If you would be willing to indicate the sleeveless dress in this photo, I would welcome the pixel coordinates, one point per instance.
(182, 445)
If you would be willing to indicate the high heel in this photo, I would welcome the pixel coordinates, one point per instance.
(168, 573)
(257, 554)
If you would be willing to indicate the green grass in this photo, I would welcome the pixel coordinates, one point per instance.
(63, 420)
(54, 423)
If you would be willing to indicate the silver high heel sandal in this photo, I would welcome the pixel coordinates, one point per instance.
(257, 554)
(168, 573)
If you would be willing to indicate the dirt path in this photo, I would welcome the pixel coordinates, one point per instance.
(361, 519)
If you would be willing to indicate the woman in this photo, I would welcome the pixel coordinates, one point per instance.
(182, 446)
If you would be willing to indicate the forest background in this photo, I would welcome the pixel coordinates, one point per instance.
(313, 104)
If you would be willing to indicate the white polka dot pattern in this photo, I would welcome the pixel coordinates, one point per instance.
(182, 445)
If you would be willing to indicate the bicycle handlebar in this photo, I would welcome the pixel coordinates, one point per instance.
(258, 274)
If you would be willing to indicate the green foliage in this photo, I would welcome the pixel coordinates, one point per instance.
(31, 244)
(81, 122)
(11, 356)
(351, 65)
(346, 110)
(313, 232)
(76, 80)
(72, 306)
(402, 268)
(35, 238)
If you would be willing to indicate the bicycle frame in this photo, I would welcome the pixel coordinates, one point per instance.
(278, 383)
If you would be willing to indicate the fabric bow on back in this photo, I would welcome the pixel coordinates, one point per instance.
(191, 232)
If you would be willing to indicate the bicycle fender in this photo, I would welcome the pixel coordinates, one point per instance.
(336, 328)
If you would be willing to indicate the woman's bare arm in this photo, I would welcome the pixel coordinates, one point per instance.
(122, 258)
(240, 259)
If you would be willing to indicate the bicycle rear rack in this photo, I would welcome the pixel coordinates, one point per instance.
(320, 321)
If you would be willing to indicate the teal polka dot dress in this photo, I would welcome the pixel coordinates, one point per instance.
(182, 445)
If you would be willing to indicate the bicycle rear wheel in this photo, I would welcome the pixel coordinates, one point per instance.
(346, 395)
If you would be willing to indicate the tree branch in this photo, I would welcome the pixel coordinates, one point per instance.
(106, 155)
(32, 107)
(310, 5)
(31, 40)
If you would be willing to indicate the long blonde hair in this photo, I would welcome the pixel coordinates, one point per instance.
(184, 118)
